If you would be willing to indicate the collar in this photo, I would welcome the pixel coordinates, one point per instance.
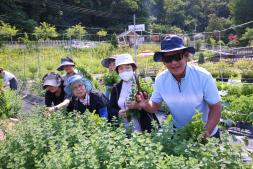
(86, 100)
(186, 73)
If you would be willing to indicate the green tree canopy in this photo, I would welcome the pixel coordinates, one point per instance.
(77, 31)
(45, 31)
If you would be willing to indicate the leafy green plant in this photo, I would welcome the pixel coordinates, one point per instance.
(83, 70)
(37, 88)
(247, 74)
(111, 78)
(147, 87)
(247, 89)
(10, 103)
(87, 141)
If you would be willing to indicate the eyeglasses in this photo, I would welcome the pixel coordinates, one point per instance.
(168, 59)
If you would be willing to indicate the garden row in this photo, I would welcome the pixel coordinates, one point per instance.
(242, 69)
(87, 141)
(237, 101)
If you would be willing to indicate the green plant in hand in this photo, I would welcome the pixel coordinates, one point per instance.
(84, 72)
(147, 87)
(111, 78)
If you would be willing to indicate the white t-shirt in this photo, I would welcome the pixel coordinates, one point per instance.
(7, 77)
(195, 91)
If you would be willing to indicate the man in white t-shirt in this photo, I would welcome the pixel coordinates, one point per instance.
(9, 79)
(183, 87)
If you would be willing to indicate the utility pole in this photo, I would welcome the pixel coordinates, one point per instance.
(195, 30)
(135, 46)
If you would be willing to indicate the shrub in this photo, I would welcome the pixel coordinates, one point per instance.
(10, 103)
(87, 141)
(37, 88)
(247, 74)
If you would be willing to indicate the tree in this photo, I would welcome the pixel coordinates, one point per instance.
(77, 31)
(198, 44)
(7, 31)
(114, 40)
(101, 33)
(45, 31)
(241, 12)
(248, 35)
(212, 42)
(217, 23)
(201, 58)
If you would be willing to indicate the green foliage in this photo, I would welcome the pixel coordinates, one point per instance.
(6, 30)
(146, 86)
(114, 40)
(45, 31)
(10, 103)
(87, 141)
(101, 33)
(111, 78)
(211, 41)
(85, 72)
(37, 88)
(238, 102)
(247, 74)
(201, 58)
(77, 31)
(217, 23)
(242, 104)
(241, 10)
(198, 44)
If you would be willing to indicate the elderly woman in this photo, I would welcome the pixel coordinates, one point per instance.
(125, 67)
(68, 66)
(53, 84)
(109, 63)
(84, 98)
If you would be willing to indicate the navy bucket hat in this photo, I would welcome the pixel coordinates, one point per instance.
(65, 62)
(171, 43)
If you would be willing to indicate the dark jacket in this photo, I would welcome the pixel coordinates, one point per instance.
(98, 101)
(145, 117)
(51, 98)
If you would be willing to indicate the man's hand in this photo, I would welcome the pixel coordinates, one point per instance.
(142, 100)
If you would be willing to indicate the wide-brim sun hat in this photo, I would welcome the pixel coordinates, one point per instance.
(74, 79)
(51, 82)
(124, 59)
(106, 62)
(51, 79)
(169, 44)
(67, 61)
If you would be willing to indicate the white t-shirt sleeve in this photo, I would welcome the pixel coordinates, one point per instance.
(156, 95)
(211, 94)
(7, 77)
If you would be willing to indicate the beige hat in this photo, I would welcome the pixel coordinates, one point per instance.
(124, 59)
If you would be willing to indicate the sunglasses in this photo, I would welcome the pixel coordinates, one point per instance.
(168, 59)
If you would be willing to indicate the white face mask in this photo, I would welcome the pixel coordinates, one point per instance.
(127, 75)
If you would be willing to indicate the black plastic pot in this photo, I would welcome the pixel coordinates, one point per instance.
(247, 80)
(224, 79)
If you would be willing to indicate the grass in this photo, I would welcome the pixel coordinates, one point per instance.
(35, 63)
